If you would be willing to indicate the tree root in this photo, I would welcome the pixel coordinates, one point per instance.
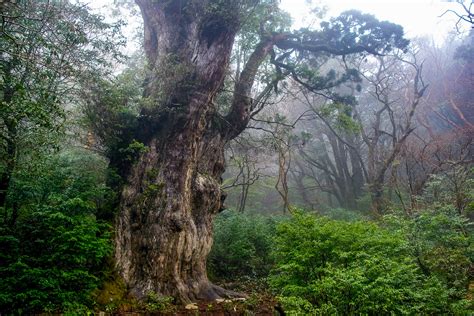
(223, 293)
(210, 292)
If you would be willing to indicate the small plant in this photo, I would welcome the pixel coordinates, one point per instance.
(134, 149)
(158, 303)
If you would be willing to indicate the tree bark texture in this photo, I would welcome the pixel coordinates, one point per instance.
(172, 193)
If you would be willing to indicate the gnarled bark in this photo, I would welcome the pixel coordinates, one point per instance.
(172, 193)
(164, 229)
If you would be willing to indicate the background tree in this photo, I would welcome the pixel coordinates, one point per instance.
(442, 140)
(333, 151)
(395, 104)
(242, 168)
(464, 12)
(47, 50)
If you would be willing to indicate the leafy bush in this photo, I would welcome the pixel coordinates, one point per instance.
(53, 250)
(56, 257)
(156, 303)
(242, 245)
(331, 267)
(453, 187)
(70, 175)
(442, 243)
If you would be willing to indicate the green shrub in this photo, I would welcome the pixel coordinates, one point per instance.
(442, 243)
(52, 252)
(55, 261)
(242, 245)
(331, 267)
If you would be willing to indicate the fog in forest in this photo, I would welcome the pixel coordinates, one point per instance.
(237, 157)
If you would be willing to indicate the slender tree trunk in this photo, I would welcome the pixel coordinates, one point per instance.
(4, 185)
(284, 160)
(378, 202)
(302, 190)
(11, 153)
(245, 189)
(10, 140)
(357, 172)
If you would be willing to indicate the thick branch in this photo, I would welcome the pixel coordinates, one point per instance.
(240, 112)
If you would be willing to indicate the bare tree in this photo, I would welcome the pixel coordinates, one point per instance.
(395, 89)
(243, 167)
(464, 14)
(335, 151)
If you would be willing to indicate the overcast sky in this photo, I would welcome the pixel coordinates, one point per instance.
(418, 17)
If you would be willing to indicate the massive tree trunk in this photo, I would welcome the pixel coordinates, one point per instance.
(173, 190)
(167, 207)
(172, 193)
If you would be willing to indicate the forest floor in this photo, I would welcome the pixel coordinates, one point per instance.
(259, 302)
(262, 305)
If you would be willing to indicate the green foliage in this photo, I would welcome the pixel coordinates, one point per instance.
(53, 247)
(331, 267)
(295, 305)
(340, 116)
(265, 14)
(134, 149)
(454, 186)
(48, 51)
(351, 33)
(156, 303)
(353, 28)
(71, 175)
(242, 245)
(56, 263)
(111, 110)
(442, 242)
